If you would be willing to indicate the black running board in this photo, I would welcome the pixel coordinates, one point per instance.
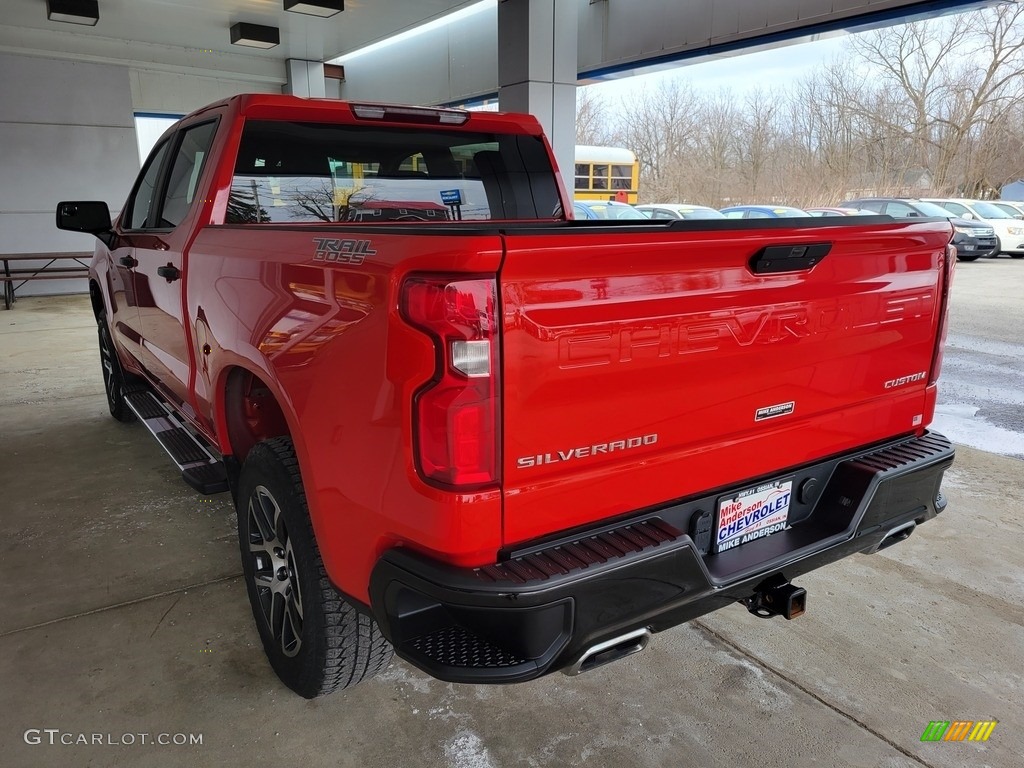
(200, 466)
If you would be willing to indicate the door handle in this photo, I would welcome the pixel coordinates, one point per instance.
(127, 261)
(169, 273)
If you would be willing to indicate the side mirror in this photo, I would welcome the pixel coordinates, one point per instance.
(84, 216)
(968, 215)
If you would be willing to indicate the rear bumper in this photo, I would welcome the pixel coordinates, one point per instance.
(538, 610)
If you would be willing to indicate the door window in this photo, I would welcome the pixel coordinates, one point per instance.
(138, 206)
(183, 179)
(901, 210)
(956, 208)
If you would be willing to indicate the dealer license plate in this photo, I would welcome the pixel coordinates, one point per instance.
(752, 514)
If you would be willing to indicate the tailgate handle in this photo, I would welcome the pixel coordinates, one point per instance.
(788, 258)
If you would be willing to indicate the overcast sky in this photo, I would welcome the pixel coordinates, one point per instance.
(774, 66)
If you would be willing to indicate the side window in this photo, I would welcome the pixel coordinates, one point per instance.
(759, 215)
(869, 205)
(956, 208)
(733, 214)
(900, 210)
(582, 176)
(183, 179)
(137, 207)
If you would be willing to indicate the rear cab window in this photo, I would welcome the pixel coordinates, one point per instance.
(295, 173)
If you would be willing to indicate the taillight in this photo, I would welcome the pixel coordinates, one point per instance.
(456, 414)
(946, 276)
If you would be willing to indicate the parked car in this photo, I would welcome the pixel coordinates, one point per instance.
(839, 212)
(973, 239)
(605, 209)
(1008, 229)
(763, 212)
(678, 211)
(1014, 209)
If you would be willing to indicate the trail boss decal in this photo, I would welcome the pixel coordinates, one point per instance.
(341, 251)
(585, 451)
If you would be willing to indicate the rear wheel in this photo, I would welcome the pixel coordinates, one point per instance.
(113, 376)
(315, 640)
(967, 258)
(1017, 255)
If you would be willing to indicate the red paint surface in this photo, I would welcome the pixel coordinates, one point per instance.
(606, 337)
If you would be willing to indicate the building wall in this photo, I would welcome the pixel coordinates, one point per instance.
(67, 129)
(67, 133)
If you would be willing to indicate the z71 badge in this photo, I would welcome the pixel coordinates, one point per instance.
(342, 251)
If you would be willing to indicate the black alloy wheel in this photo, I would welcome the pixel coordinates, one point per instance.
(113, 377)
(316, 641)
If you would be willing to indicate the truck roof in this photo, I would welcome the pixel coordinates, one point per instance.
(284, 107)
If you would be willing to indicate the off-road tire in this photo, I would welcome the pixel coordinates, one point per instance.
(315, 640)
(113, 376)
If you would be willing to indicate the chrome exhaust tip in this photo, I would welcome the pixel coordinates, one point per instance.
(895, 536)
(609, 651)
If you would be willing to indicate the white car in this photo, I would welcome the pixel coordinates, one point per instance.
(1013, 208)
(678, 211)
(1009, 230)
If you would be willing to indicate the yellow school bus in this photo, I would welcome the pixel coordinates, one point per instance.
(606, 173)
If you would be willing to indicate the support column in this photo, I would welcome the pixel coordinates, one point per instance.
(537, 69)
(305, 78)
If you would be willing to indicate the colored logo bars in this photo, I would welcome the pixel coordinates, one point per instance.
(958, 730)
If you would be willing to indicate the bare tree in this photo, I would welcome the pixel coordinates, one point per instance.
(955, 75)
(760, 131)
(931, 106)
(657, 124)
(713, 153)
(592, 118)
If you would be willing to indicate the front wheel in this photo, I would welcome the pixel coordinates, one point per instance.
(315, 640)
(1017, 255)
(113, 376)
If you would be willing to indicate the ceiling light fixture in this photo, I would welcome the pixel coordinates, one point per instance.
(322, 8)
(255, 35)
(74, 11)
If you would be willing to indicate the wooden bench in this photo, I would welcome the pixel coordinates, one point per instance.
(74, 265)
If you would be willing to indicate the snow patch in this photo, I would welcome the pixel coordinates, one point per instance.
(466, 750)
(961, 424)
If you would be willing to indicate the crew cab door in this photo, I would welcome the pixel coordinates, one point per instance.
(160, 267)
(126, 325)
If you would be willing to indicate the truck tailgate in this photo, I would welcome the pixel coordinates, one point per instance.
(645, 365)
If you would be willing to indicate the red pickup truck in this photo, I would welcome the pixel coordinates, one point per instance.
(461, 425)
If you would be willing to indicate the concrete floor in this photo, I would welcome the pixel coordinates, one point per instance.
(123, 614)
